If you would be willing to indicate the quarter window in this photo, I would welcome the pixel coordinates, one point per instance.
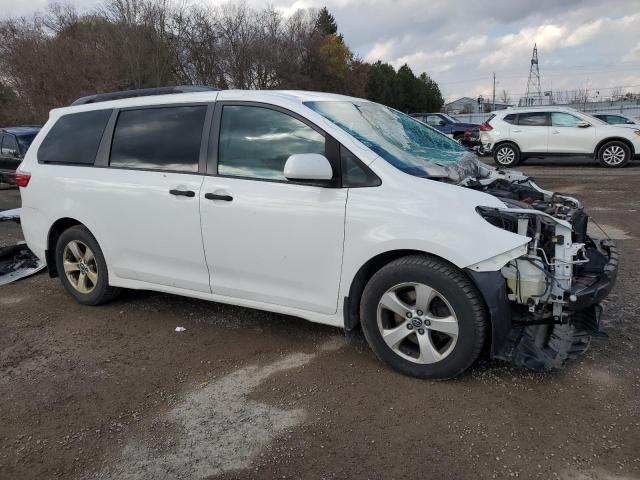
(165, 138)
(537, 119)
(10, 146)
(255, 142)
(354, 172)
(74, 138)
(561, 119)
(511, 118)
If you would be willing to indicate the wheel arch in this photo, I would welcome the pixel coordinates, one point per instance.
(497, 306)
(626, 141)
(55, 231)
(502, 142)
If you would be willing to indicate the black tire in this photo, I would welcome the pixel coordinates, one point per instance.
(506, 155)
(100, 292)
(458, 290)
(606, 159)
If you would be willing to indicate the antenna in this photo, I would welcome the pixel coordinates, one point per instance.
(534, 92)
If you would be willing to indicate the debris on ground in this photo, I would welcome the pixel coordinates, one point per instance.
(180, 329)
(17, 261)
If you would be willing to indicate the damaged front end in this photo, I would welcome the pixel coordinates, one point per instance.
(547, 299)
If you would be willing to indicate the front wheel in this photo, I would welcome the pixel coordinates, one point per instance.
(423, 317)
(614, 154)
(506, 155)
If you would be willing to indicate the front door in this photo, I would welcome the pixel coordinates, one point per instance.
(565, 136)
(267, 239)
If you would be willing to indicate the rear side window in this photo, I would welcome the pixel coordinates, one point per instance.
(511, 118)
(536, 119)
(166, 138)
(75, 138)
(10, 146)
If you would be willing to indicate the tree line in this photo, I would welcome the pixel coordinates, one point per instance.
(56, 56)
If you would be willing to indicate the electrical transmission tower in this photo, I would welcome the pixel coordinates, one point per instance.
(534, 92)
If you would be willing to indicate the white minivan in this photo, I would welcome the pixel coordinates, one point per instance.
(330, 208)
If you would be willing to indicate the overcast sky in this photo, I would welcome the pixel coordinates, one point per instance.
(581, 43)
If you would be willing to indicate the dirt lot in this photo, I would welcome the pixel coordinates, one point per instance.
(114, 392)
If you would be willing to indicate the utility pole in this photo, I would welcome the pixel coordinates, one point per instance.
(494, 91)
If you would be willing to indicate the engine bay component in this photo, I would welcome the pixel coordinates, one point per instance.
(555, 287)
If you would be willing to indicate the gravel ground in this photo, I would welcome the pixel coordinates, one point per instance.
(115, 392)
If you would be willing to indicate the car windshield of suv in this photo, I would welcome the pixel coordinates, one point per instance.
(404, 142)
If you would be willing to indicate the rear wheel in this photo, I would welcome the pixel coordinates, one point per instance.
(423, 317)
(82, 268)
(506, 155)
(614, 154)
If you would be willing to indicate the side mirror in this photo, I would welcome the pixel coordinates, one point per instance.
(308, 167)
(630, 122)
(583, 124)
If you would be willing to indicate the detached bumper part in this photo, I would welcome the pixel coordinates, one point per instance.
(17, 261)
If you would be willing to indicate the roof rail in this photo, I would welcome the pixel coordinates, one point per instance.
(142, 92)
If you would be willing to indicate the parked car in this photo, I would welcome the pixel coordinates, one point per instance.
(330, 208)
(516, 134)
(465, 133)
(616, 119)
(14, 142)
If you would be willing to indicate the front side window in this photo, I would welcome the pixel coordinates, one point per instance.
(405, 143)
(164, 138)
(435, 120)
(255, 142)
(10, 146)
(561, 119)
(537, 119)
(75, 138)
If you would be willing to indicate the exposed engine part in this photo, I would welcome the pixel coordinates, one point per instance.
(555, 286)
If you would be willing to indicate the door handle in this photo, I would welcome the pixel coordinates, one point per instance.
(183, 193)
(516, 130)
(555, 131)
(214, 196)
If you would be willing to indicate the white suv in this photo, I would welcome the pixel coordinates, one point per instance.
(516, 134)
(330, 208)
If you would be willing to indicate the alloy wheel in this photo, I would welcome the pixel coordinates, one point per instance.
(613, 155)
(417, 323)
(80, 266)
(505, 155)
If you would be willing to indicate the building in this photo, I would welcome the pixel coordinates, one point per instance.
(471, 105)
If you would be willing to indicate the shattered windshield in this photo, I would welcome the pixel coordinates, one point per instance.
(404, 142)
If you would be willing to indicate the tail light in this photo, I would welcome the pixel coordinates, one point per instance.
(467, 133)
(22, 178)
(485, 127)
